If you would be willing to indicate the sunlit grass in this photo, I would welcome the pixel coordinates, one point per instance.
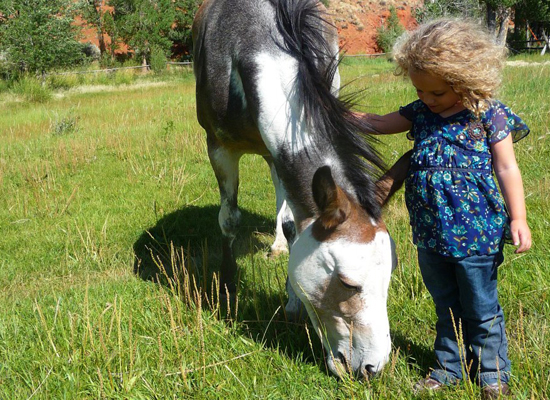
(96, 182)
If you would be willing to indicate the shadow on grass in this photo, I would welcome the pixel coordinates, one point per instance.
(420, 357)
(192, 236)
(189, 239)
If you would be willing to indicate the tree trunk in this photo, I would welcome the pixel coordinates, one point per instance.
(144, 64)
(504, 14)
(491, 19)
(100, 29)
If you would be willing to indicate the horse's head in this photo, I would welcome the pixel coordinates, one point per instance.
(340, 267)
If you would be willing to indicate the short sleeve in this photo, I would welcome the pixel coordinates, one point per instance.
(409, 112)
(500, 122)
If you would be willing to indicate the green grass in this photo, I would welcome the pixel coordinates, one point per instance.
(94, 180)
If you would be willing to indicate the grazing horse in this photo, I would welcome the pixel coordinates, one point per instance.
(267, 83)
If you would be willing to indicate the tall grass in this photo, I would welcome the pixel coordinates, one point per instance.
(130, 189)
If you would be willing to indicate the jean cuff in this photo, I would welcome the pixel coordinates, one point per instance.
(444, 377)
(489, 378)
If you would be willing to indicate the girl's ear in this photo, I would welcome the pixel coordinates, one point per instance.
(392, 180)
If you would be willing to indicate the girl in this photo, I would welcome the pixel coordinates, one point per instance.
(458, 217)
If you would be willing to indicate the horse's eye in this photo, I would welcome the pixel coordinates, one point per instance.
(349, 285)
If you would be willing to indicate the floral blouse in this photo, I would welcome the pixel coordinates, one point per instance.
(454, 204)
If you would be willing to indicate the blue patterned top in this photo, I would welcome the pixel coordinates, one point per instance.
(454, 204)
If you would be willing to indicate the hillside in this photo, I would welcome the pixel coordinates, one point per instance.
(358, 20)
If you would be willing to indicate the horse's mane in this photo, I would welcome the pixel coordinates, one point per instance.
(304, 27)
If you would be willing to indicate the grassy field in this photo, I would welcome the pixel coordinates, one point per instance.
(98, 182)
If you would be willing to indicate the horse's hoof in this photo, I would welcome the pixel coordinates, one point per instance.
(277, 252)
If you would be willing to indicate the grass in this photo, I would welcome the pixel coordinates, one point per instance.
(93, 181)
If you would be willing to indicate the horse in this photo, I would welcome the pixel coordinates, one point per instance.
(267, 83)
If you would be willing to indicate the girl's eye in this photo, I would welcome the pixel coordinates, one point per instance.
(439, 94)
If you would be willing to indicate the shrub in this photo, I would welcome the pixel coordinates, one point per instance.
(64, 125)
(124, 77)
(158, 60)
(62, 81)
(32, 90)
(387, 34)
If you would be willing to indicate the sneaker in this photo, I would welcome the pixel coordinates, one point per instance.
(496, 391)
(427, 385)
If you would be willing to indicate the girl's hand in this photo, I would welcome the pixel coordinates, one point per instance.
(521, 235)
(385, 124)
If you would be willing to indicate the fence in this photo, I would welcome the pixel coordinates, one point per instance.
(95, 71)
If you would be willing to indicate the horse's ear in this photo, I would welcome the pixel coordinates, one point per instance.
(333, 204)
(392, 180)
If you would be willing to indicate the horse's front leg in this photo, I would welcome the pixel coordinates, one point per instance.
(226, 168)
(285, 231)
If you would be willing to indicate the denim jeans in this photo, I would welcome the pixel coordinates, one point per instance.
(467, 287)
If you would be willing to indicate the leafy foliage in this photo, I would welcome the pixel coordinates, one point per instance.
(180, 34)
(144, 24)
(388, 34)
(38, 35)
(449, 8)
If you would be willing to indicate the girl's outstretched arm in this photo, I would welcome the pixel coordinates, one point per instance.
(511, 185)
(386, 124)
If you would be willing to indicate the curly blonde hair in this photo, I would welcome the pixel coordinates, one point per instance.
(460, 52)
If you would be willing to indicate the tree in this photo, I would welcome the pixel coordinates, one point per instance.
(144, 24)
(433, 9)
(92, 11)
(498, 14)
(185, 11)
(38, 35)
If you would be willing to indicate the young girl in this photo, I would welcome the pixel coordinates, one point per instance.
(459, 219)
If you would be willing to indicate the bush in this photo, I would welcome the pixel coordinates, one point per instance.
(472, 9)
(124, 77)
(158, 60)
(388, 34)
(64, 125)
(32, 90)
(63, 82)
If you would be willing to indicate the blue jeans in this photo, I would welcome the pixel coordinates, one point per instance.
(467, 287)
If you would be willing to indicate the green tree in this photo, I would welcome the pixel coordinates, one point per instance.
(38, 35)
(92, 12)
(498, 17)
(185, 11)
(450, 8)
(387, 34)
(144, 25)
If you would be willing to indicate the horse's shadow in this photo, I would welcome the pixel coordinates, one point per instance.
(190, 238)
(192, 233)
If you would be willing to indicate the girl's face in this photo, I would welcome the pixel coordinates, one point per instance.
(435, 93)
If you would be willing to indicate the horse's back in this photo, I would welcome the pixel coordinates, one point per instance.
(227, 35)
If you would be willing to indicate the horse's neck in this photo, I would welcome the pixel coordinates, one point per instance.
(296, 170)
(297, 152)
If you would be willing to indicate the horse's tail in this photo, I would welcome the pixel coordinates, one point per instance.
(305, 29)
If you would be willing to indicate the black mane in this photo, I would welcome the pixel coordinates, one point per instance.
(303, 25)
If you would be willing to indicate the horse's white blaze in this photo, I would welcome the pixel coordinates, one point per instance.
(280, 118)
(318, 267)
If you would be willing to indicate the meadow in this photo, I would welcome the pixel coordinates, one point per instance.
(102, 187)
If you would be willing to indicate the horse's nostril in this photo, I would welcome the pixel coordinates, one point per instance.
(370, 369)
(340, 356)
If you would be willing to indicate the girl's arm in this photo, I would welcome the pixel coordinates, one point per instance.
(509, 180)
(386, 124)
